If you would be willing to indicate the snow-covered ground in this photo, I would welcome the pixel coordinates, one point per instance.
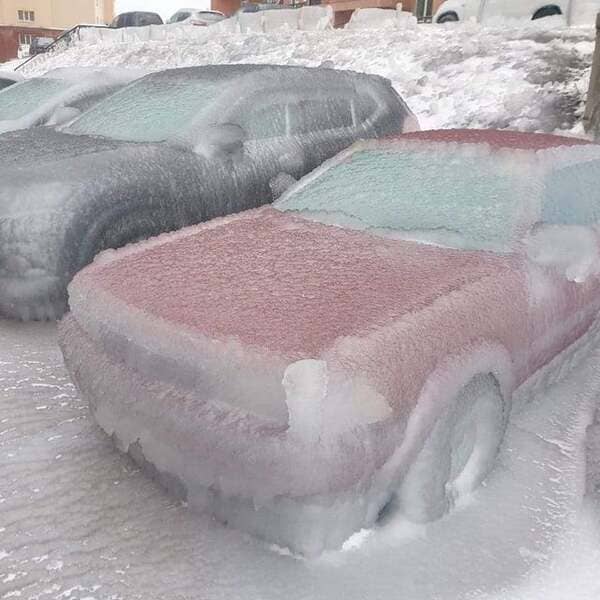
(79, 521)
(532, 78)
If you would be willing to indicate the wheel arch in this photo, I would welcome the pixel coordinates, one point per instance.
(449, 12)
(546, 10)
(442, 386)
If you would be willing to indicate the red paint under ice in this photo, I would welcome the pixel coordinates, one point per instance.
(283, 283)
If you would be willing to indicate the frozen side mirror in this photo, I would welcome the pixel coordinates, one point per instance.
(280, 184)
(224, 140)
(573, 250)
(63, 115)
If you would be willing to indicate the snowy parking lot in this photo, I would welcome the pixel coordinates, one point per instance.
(80, 521)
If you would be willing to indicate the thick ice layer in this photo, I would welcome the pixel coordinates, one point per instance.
(164, 153)
(59, 96)
(236, 356)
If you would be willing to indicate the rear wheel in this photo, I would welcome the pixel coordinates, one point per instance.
(546, 11)
(449, 17)
(459, 452)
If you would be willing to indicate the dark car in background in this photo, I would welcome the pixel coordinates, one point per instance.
(136, 19)
(175, 148)
(40, 45)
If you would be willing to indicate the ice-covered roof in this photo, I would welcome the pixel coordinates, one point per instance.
(235, 71)
(496, 138)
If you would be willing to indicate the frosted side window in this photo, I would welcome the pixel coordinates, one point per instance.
(572, 195)
(308, 116)
(265, 122)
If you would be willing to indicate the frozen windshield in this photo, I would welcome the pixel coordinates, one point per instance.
(21, 99)
(457, 200)
(150, 110)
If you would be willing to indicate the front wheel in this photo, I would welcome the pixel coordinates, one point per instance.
(459, 452)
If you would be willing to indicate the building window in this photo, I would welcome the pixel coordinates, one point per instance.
(25, 39)
(26, 15)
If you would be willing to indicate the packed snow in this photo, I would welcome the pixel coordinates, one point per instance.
(532, 77)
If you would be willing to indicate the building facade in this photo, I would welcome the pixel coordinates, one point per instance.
(22, 20)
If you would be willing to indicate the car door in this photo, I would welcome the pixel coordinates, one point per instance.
(267, 150)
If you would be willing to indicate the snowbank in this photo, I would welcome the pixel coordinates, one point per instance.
(381, 18)
(530, 78)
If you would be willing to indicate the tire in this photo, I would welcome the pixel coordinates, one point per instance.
(448, 17)
(546, 11)
(458, 454)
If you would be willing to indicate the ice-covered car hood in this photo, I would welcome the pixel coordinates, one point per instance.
(30, 147)
(278, 282)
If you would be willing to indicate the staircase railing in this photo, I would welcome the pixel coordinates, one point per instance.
(62, 42)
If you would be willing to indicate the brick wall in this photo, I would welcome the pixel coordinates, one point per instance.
(9, 39)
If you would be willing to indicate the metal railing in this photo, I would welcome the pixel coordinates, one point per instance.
(62, 42)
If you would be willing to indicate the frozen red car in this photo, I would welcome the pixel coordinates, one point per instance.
(297, 368)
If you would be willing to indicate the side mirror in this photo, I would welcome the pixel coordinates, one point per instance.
(280, 184)
(573, 250)
(225, 140)
(63, 115)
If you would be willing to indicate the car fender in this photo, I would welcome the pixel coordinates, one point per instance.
(441, 388)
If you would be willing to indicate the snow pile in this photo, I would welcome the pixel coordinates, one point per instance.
(527, 78)
(381, 18)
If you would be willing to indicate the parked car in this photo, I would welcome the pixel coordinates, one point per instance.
(136, 19)
(8, 78)
(462, 10)
(59, 96)
(175, 148)
(302, 367)
(39, 45)
(192, 16)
